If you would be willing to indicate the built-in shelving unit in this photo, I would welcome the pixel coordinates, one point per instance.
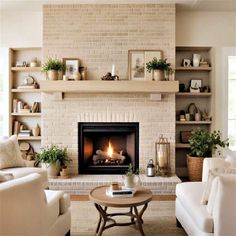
(27, 95)
(202, 100)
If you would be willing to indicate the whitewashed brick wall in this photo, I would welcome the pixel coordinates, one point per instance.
(101, 35)
(60, 120)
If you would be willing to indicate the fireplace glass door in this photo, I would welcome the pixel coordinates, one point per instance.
(108, 148)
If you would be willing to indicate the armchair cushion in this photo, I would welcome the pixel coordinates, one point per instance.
(10, 155)
(212, 174)
(23, 171)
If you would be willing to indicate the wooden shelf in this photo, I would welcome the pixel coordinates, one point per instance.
(182, 145)
(26, 69)
(192, 48)
(32, 138)
(25, 114)
(187, 94)
(193, 122)
(25, 90)
(182, 68)
(120, 86)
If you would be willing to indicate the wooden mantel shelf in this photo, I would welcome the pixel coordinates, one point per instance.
(120, 86)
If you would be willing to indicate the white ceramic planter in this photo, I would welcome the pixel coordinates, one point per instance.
(53, 169)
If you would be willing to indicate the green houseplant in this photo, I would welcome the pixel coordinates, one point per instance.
(53, 158)
(158, 68)
(52, 67)
(202, 144)
(131, 179)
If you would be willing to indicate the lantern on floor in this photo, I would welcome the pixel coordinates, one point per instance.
(163, 156)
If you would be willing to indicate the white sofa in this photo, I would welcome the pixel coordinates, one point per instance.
(27, 209)
(218, 216)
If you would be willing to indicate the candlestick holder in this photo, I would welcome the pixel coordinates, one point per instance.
(163, 156)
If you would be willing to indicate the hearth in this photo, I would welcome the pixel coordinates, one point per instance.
(108, 147)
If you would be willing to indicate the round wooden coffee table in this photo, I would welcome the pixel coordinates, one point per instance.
(102, 202)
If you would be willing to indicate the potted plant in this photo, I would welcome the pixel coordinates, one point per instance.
(202, 144)
(53, 158)
(131, 178)
(158, 68)
(52, 67)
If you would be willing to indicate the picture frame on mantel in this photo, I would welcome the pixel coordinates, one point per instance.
(71, 67)
(137, 60)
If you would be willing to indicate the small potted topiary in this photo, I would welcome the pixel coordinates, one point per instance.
(52, 67)
(202, 144)
(54, 158)
(158, 68)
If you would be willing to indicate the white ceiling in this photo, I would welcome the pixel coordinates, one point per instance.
(201, 5)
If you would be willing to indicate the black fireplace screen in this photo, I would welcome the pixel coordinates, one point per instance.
(108, 148)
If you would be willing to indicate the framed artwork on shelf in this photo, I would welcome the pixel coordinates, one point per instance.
(137, 60)
(71, 67)
(195, 85)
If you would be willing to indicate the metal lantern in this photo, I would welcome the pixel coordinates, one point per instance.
(163, 156)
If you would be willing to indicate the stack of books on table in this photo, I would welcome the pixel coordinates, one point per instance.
(123, 192)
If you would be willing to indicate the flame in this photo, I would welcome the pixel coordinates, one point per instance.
(110, 150)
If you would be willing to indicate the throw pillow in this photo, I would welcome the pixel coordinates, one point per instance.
(10, 155)
(212, 174)
(231, 158)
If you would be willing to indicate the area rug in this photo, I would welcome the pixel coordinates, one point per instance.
(159, 219)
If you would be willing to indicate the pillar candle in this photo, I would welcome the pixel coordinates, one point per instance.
(113, 70)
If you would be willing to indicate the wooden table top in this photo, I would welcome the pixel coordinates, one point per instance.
(98, 196)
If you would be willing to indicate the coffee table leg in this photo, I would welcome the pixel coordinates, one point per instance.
(139, 221)
(131, 213)
(102, 215)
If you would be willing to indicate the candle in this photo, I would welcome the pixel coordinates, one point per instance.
(113, 70)
(161, 159)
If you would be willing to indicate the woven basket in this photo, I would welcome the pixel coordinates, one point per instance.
(194, 165)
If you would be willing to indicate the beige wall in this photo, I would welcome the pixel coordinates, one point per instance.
(101, 35)
(215, 29)
(21, 28)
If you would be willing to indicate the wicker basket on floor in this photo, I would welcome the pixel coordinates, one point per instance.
(195, 165)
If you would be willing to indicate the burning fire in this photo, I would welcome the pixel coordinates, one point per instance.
(110, 150)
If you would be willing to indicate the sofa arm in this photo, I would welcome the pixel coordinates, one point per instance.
(212, 163)
(224, 211)
(22, 200)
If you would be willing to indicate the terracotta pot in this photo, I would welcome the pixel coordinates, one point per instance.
(53, 74)
(157, 75)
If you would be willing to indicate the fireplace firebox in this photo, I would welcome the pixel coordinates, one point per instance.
(108, 147)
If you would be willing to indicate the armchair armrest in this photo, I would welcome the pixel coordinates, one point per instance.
(224, 211)
(212, 163)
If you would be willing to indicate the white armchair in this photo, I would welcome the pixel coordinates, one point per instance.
(27, 209)
(218, 216)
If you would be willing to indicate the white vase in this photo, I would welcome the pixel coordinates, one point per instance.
(157, 75)
(196, 60)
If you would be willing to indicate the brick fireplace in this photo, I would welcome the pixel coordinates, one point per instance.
(101, 35)
(60, 120)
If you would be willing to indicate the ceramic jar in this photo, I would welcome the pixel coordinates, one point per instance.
(196, 60)
(157, 75)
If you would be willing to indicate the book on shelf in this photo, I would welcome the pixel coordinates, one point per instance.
(123, 192)
(26, 87)
(36, 107)
(24, 133)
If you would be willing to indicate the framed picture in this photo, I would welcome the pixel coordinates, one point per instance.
(195, 85)
(71, 67)
(137, 60)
